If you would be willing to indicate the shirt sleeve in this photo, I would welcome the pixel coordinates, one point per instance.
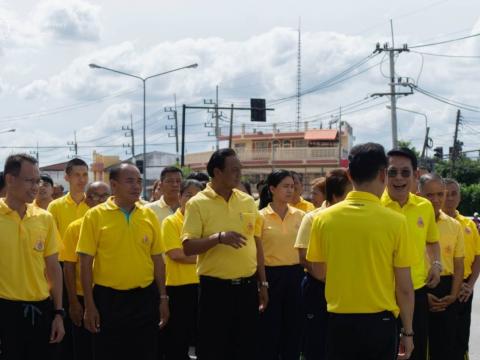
(192, 226)
(475, 237)
(259, 224)
(52, 239)
(170, 235)
(303, 235)
(316, 251)
(433, 235)
(88, 242)
(157, 244)
(459, 243)
(405, 254)
(70, 241)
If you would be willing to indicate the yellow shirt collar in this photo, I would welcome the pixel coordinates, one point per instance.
(362, 195)
(69, 199)
(110, 204)
(269, 211)
(212, 193)
(5, 209)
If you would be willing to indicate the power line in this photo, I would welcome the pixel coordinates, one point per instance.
(447, 55)
(445, 41)
(446, 100)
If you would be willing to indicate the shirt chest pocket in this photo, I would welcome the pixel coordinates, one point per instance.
(37, 238)
(248, 223)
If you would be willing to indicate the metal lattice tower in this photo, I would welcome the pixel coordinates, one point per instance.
(299, 77)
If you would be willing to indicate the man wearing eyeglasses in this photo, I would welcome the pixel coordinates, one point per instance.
(97, 193)
(422, 227)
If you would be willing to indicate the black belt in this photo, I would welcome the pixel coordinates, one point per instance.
(233, 282)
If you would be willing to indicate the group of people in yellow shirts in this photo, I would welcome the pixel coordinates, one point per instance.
(383, 267)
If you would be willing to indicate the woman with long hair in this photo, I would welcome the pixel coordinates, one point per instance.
(280, 324)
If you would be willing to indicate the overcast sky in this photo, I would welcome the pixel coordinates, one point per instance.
(248, 48)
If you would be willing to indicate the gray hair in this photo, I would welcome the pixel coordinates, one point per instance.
(450, 181)
(425, 179)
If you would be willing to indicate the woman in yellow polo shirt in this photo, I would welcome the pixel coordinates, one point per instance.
(181, 280)
(281, 322)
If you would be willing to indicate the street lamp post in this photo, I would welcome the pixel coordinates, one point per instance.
(425, 144)
(144, 81)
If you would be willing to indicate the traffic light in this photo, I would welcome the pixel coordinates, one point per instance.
(258, 112)
(438, 153)
(139, 165)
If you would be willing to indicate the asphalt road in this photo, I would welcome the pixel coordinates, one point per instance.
(475, 328)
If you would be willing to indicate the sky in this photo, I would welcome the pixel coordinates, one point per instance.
(248, 49)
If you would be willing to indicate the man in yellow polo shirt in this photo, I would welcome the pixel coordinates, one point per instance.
(471, 268)
(422, 228)
(66, 210)
(45, 192)
(298, 201)
(97, 193)
(122, 271)
(29, 270)
(442, 298)
(170, 181)
(220, 224)
(368, 255)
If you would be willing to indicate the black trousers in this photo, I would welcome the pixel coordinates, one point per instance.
(181, 330)
(228, 319)
(315, 319)
(82, 340)
(128, 323)
(442, 325)
(420, 325)
(281, 323)
(362, 336)
(462, 338)
(25, 329)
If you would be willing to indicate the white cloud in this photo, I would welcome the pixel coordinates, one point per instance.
(72, 20)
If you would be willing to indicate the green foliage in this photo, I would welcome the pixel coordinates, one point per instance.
(470, 199)
(408, 145)
(466, 171)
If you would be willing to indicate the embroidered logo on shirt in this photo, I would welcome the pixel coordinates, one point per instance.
(420, 222)
(448, 250)
(39, 245)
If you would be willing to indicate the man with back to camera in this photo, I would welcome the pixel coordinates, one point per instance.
(368, 282)
(422, 228)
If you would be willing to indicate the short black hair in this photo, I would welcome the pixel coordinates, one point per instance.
(406, 153)
(169, 170)
(365, 161)
(199, 176)
(115, 170)
(46, 178)
(2, 181)
(13, 164)
(74, 162)
(336, 183)
(217, 160)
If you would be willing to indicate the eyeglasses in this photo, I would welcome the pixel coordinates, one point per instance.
(405, 173)
(96, 197)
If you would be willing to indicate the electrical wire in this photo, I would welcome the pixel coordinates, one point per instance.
(447, 55)
(445, 41)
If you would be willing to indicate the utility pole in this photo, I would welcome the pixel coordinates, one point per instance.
(73, 144)
(230, 135)
(216, 115)
(174, 117)
(393, 83)
(130, 133)
(299, 76)
(36, 154)
(456, 145)
(339, 136)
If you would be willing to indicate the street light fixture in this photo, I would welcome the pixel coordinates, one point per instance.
(144, 80)
(425, 144)
(7, 131)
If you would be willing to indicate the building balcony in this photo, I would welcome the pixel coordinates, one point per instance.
(301, 156)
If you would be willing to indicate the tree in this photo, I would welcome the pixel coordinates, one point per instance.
(466, 171)
(408, 145)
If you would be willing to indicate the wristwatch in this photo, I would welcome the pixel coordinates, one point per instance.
(438, 264)
(264, 284)
(405, 333)
(60, 312)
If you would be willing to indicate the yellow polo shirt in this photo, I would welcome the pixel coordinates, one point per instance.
(24, 245)
(208, 213)
(68, 250)
(361, 243)
(122, 245)
(160, 208)
(304, 205)
(451, 241)
(471, 240)
(278, 236)
(422, 228)
(303, 236)
(177, 272)
(65, 211)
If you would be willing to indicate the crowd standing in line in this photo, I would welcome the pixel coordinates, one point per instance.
(380, 265)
